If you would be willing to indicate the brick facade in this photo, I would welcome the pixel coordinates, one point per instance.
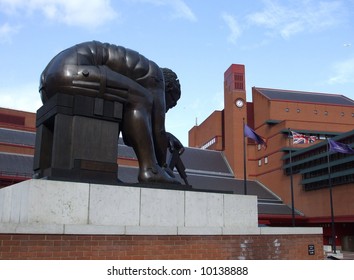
(140, 247)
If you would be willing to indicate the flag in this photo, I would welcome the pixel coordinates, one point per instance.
(339, 147)
(249, 132)
(302, 139)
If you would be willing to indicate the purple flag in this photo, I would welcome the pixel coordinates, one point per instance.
(339, 147)
(249, 132)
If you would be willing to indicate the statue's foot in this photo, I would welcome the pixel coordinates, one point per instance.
(169, 172)
(156, 175)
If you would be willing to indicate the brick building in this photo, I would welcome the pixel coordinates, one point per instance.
(207, 170)
(273, 114)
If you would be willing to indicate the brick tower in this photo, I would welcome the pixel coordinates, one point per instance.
(235, 111)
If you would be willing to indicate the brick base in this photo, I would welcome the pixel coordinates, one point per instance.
(140, 247)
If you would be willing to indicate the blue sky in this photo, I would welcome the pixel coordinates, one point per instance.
(301, 45)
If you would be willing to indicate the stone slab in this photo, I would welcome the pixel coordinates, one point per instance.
(162, 208)
(37, 202)
(40, 206)
(151, 230)
(114, 205)
(94, 229)
(204, 209)
(23, 228)
(291, 230)
(131, 209)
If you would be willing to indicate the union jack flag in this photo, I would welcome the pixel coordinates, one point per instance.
(302, 139)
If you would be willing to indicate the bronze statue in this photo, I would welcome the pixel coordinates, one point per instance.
(115, 73)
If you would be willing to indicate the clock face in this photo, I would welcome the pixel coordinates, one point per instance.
(239, 103)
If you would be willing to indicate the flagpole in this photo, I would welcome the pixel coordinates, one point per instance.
(331, 202)
(244, 160)
(291, 183)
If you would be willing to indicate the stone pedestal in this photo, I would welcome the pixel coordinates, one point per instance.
(77, 139)
(66, 220)
(44, 206)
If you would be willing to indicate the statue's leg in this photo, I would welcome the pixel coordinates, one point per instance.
(100, 81)
(137, 125)
(137, 132)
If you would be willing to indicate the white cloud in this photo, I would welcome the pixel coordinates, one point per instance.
(182, 10)
(88, 14)
(21, 97)
(7, 31)
(303, 16)
(235, 29)
(179, 7)
(344, 72)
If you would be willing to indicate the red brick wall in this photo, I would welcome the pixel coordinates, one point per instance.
(17, 119)
(210, 128)
(41, 246)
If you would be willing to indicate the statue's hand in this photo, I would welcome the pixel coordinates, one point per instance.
(174, 143)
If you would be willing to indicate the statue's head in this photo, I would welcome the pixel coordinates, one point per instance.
(172, 88)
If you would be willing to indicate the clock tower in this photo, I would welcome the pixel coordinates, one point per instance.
(235, 113)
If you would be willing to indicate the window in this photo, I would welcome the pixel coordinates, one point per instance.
(313, 165)
(10, 119)
(209, 143)
(238, 79)
(265, 160)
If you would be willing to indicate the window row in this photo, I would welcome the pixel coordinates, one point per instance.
(316, 112)
(265, 159)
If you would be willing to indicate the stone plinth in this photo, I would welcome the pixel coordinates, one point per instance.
(45, 219)
(45, 206)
